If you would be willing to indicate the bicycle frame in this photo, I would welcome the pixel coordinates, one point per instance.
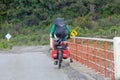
(60, 51)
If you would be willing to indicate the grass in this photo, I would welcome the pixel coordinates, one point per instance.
(24, 40)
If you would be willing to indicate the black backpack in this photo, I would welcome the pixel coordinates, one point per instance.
(61, 27)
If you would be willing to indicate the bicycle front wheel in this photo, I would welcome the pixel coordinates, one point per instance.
(60, 56)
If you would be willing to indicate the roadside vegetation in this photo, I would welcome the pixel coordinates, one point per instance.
(29, 21)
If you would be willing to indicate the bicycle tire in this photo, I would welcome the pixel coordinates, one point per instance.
(60, 56)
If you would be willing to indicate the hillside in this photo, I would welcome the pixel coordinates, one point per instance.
(29, 21)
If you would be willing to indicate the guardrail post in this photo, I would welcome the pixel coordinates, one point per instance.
(106, 58)
(76, 43)
(51, 41)
(81, 43)
(88, 52)
(117, 57)
(95, 55)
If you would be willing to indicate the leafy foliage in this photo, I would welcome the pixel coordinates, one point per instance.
(34, 18)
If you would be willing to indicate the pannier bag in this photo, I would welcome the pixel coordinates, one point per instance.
(65, 54)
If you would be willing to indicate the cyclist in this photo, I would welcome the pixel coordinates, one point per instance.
(60, 29)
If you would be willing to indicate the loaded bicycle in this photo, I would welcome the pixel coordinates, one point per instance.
(60, 52)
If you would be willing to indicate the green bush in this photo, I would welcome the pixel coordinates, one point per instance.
(4, 44)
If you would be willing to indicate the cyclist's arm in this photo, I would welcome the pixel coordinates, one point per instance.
(69, 31)
(52, 31)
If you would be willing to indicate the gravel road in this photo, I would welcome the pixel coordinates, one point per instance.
(35, 63)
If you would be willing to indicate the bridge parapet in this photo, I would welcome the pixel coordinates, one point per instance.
(102, 55)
